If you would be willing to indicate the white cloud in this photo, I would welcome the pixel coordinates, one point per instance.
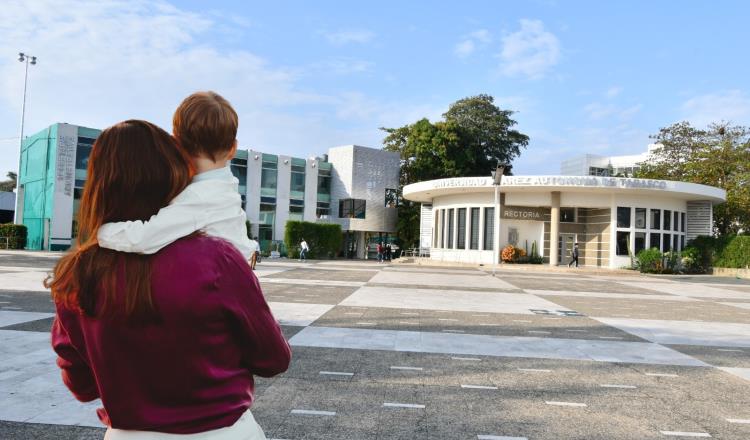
(344, 66)
(470, 43)
(598, 111)
(105, 61)
(730, 105)
(347, 36)
(529, 52)
(613, 92)
(481, 35)
(464, 48)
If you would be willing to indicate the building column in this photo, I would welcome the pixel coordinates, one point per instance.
(554, 227)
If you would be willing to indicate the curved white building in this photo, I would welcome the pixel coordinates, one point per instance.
(608, 216)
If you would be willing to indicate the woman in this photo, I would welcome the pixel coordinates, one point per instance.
(169, 342)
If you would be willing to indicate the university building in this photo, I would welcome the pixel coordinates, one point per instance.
(351, 185)
(611, 218)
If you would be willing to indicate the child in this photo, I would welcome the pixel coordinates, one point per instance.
(205, 125)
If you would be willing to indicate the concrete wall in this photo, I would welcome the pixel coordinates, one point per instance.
(364, 173)
(699, 219)
(252, 204)
(283, 184)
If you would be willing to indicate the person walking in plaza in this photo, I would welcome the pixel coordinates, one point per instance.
(254, 252)
(379, 249)
(170, 342)
(388, 252)
(303, 248)
(574, 256)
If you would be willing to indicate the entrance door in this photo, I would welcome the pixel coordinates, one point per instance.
(565, 245)
(350, 244)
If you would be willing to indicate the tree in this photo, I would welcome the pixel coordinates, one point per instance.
(488, 134)
(718, 156)
(10, 184)
(472, 139)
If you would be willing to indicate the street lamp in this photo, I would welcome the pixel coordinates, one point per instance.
(497, 180)
(28, 59)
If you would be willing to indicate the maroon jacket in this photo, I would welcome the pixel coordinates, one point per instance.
(193, 372)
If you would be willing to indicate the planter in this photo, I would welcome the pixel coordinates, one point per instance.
(731, 272)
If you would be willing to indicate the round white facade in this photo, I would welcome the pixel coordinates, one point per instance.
(611, 218)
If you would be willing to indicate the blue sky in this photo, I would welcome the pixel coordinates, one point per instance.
(584, 76)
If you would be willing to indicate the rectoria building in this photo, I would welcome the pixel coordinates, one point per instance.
(351, 185)
(610, 217)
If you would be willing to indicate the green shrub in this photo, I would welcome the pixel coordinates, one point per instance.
(736, 254)
(690, 260)
(709, 248)
(15, 234)
(324, 239)
(650, 261)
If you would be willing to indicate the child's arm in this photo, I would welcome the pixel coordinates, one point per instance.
(180, 218)
(219, 213)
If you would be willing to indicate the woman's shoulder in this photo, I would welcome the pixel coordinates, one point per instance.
(200, 249)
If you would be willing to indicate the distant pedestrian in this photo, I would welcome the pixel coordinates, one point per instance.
(303, 248)
(574, 256)
(379, 248)
(388, 252)
(254, 252)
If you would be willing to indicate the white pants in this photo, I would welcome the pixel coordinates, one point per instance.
(246, 428)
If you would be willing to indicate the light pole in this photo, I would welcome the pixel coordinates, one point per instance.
(497, 179)
(28, 59)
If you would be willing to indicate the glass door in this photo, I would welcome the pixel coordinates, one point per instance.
(565, 245)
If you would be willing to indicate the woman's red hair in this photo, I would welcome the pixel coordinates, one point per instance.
(135, 168)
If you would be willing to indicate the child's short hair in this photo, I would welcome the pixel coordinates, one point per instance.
(205, 123)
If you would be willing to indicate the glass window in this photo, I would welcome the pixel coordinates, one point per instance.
(666, 243)
(682, 242)
(640, 218)
(623, 217)
(474, 231)
(461, 234)
(451, 243)
(240, 172)
(489, 228)
(623, 238)
(267, 214)
(324, 183)
(391, 198)
(567, 215)
(656, 219)
(640, 240)
(442, 228)
(682, 222)
(676, 242)
(83, 151)
(667, 219)
(323, 209)
(296, 212)
(352, 208)
(297, 179)
(655, 241)
(359, 208)
(268, 175)
(265, 233)
(676, 222)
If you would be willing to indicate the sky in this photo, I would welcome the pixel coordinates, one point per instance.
(582, 76)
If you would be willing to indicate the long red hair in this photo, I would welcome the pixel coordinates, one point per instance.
(135, 168)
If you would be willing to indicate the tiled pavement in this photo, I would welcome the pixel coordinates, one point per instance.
(405, 352)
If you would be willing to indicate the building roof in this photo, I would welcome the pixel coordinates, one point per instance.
(427, 190)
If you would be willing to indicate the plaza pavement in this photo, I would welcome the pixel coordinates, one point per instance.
(415, 352)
